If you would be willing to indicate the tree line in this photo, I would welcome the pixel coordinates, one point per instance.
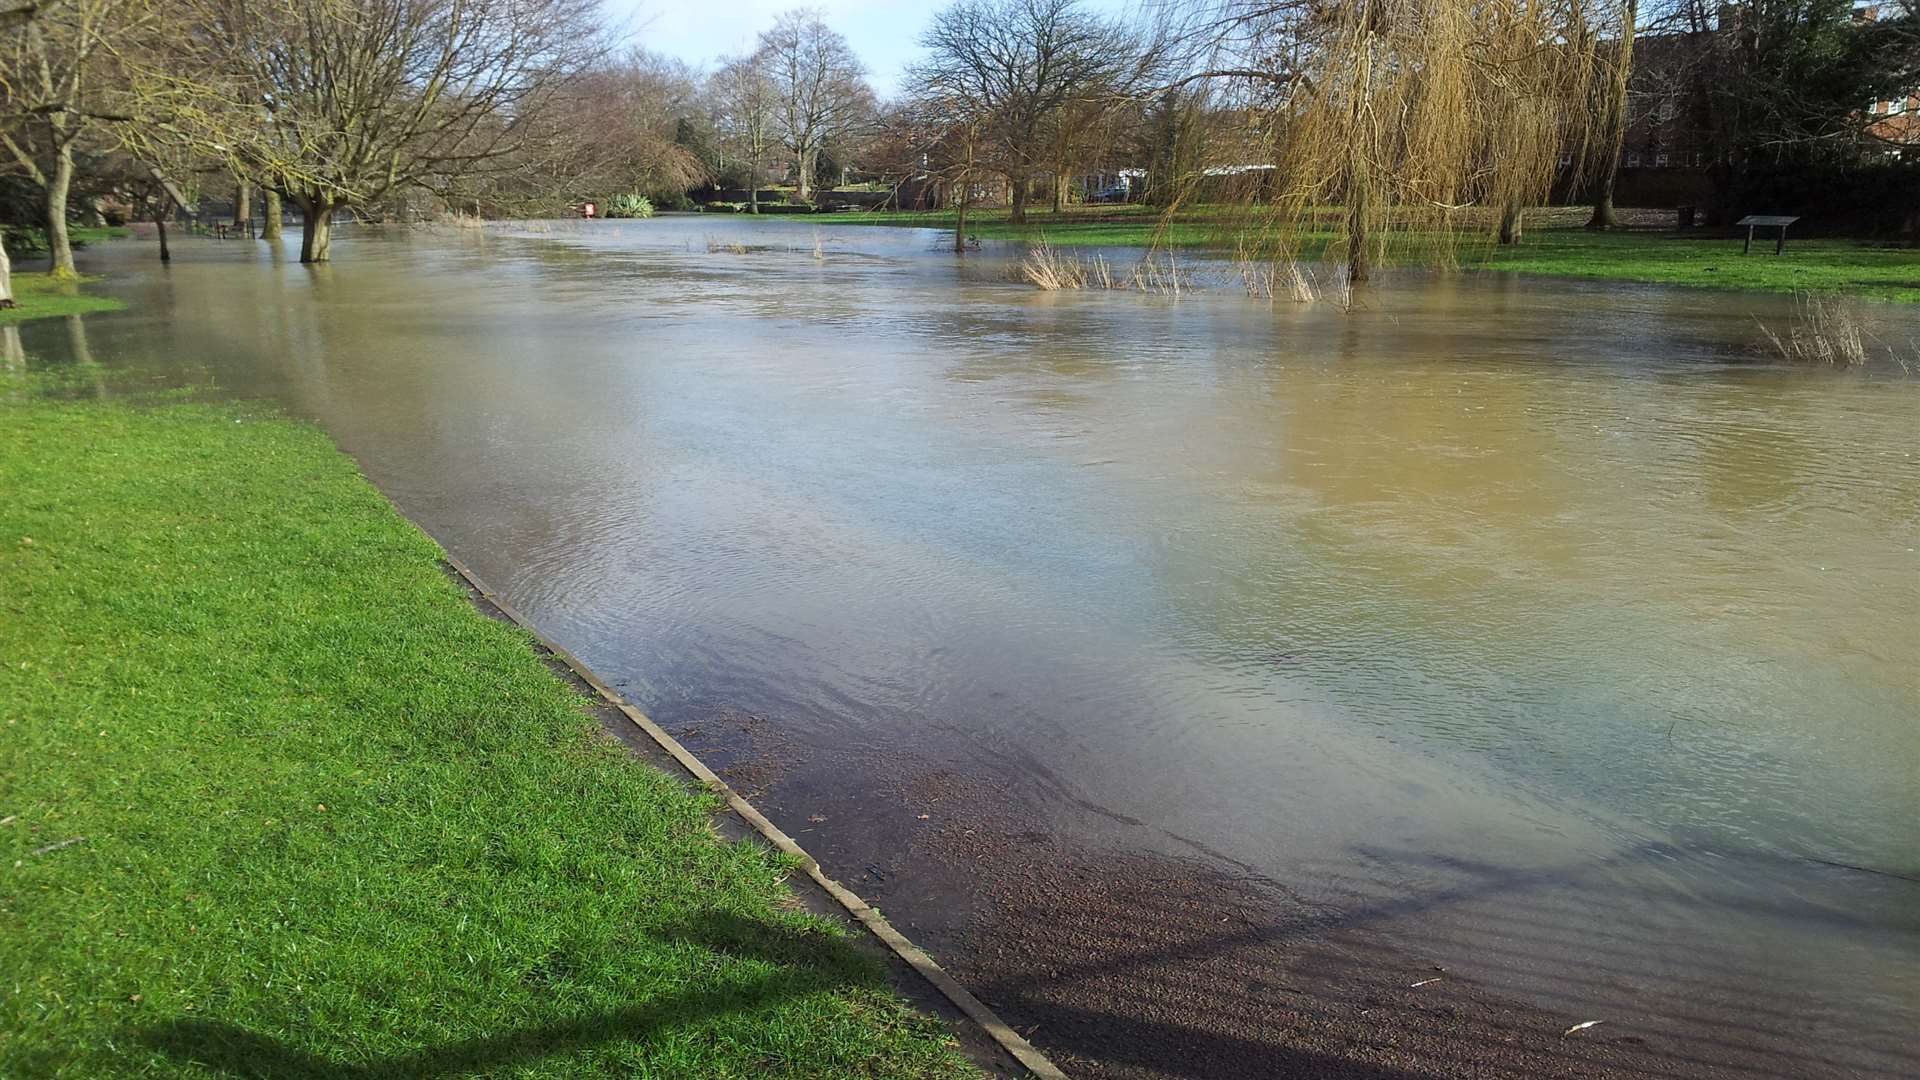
(1356, 117)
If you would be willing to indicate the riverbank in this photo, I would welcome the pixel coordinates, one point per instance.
(41, 297)
(276, 800)
(1560, 249)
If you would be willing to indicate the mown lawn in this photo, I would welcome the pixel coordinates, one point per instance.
(39, 297)
(276, 802)
(1889, 273)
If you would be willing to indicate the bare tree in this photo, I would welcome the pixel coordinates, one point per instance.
(621, 125)
(1015, 66)
(822, 88)
(54, 89)
(747, 109)
(932, 144)
(341, 103)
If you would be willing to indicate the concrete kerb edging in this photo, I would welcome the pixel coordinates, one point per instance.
(915, 957)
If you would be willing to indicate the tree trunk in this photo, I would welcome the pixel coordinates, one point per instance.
(753, 186)
(242, 204)
(316, 231)
(160, 223)
(961, 191)
(6, 278)
(1018, 214)
(270, 225)
(1510, 224)
(1359, 267)
(59, 247)
(1060, 190)
(805, 162)
(1603, 215)
(1616, 114)
(1165, 165)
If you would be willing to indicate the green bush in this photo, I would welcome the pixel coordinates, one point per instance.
(629, 206)
(23, 240)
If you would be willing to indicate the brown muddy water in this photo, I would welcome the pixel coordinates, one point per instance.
(1195, 675)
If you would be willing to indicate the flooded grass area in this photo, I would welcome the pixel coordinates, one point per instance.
(39, 296)
(1193, 672)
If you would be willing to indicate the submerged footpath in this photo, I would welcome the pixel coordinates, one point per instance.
(276, 800)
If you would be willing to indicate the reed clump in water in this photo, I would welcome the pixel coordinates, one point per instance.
(1267, 279)
(1052, 270)
(1832, 330)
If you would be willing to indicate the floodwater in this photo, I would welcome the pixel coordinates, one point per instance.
(1541, 628)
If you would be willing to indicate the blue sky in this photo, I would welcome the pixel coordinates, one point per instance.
(884, 34)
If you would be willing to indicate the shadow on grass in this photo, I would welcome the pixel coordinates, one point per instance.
(808, 963)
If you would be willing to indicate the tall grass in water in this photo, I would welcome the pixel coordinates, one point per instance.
(1052, 270)
(1265, 279)
(1832, 330)
(1150, 276)
(1046, 267)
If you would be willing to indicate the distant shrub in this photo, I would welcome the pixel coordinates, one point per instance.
(629, 206)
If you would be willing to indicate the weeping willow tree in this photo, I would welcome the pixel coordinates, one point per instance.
(1609, 134)
(1421, 120)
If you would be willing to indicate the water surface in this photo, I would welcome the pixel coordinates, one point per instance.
(1545, 616)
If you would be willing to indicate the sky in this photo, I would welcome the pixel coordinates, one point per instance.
(883, 34)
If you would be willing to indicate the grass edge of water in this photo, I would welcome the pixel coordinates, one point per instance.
(247, 684)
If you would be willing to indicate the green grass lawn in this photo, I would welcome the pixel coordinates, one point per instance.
(1084, 226)
(1812, 265)
(88, 234)
(39, 297)
(275, 801)
(1649, 256)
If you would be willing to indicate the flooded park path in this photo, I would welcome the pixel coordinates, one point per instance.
(1221, 688)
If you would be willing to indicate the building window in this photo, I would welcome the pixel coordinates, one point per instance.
(1659, 161)
(1633, 161)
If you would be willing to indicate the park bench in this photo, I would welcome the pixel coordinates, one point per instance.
(1753, 221)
